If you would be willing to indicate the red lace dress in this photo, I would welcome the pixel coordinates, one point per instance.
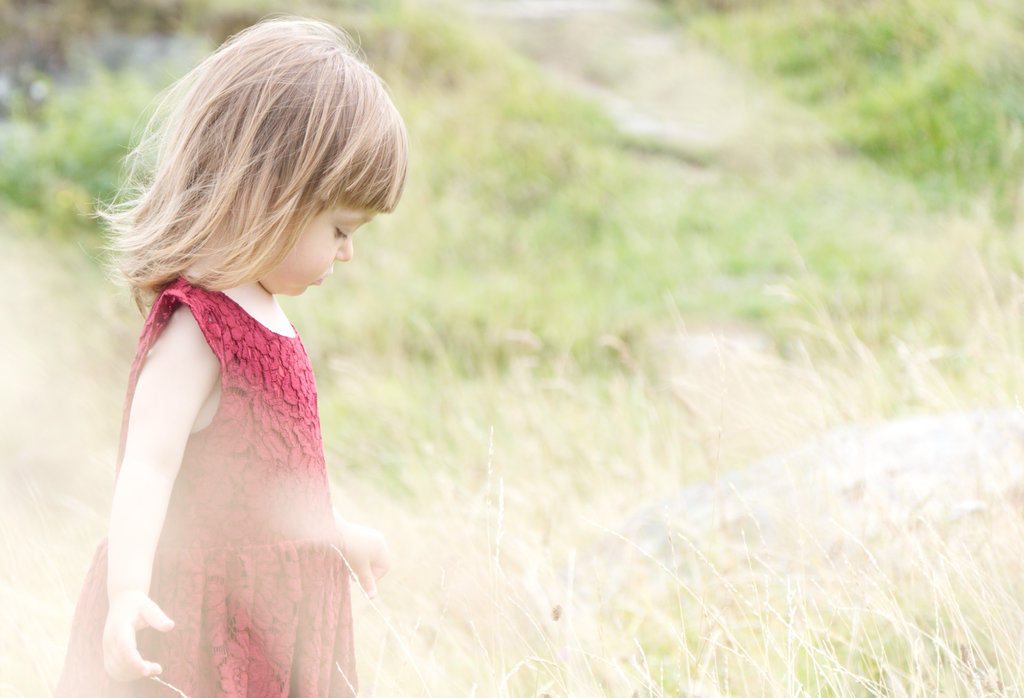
(247, 565)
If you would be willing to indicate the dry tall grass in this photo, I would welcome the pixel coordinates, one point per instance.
(519, 570)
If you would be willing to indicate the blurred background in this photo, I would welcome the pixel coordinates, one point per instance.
(642, 244)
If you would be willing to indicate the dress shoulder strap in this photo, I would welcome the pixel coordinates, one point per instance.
(214, 312)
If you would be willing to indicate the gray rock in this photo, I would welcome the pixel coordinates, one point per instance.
(853, 493)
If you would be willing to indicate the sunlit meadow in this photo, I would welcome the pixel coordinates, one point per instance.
(561, 332)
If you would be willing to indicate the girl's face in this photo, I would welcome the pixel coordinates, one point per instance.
(326, 240)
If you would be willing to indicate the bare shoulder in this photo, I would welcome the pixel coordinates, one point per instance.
(181, 343)
(178, 377)
(181, 368)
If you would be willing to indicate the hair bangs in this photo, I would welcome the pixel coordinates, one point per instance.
(367, 166)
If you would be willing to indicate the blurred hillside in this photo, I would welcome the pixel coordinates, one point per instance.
(931, 90)
(900, 120)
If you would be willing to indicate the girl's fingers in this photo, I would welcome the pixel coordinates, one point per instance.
(122, 659)
(131, 667)
(366, 579)
(151, 615)
(124, 662)
(382, 564)
(380, 570)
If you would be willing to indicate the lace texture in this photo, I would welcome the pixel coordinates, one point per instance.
(247, 564)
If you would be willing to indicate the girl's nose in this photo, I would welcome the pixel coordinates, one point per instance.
(345, 251)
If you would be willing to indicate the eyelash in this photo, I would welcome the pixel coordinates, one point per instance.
(339, 233)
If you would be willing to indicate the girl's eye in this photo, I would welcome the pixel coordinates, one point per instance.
(340, 234)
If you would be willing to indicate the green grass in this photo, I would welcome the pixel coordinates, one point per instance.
(61, 157)
(931, 90)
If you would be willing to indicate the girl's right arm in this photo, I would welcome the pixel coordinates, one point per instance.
(178, 376)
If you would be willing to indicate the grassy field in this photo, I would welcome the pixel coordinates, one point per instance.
(561, 325)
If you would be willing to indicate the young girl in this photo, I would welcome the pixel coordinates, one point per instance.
(226, 570)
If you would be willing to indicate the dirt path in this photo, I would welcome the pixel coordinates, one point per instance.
(654, 82)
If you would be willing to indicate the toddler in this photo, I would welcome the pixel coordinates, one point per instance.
(226, 569)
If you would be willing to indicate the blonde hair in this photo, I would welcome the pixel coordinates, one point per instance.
(281, 122)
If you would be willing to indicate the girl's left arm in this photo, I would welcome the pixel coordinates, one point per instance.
(366, 552)
(175, 380)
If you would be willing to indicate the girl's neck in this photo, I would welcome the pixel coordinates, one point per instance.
(262, 306)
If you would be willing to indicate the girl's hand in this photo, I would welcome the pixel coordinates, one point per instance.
(130, 611)
(366, 553)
